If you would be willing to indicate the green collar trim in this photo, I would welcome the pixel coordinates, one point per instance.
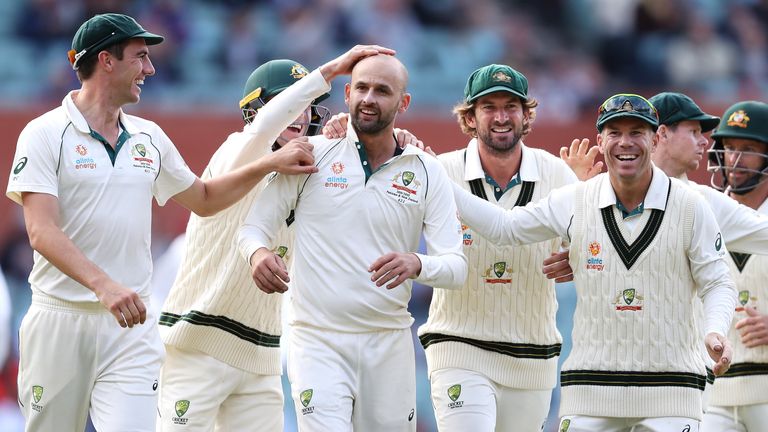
(364, 158)
(627, 213)
(499, 191)
(121, 139)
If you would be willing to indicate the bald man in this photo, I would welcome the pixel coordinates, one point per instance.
(357, 226)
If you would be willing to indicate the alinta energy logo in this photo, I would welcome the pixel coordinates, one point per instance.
(181, 407)
(466, 235)
(454, 392)
(498, 273)
(628, 300)
(594, 262)
(306, 397)
(37, 396)
(336, 180)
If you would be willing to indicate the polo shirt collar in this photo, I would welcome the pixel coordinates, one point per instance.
(655, 198)
(529, 170)
(77, 119)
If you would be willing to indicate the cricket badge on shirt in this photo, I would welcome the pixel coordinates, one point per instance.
(595, 262)
(405, 188)
(466, 235)
(37, 396)
(498, 273)
(628, 300)
(337, 179)
(565, 425)
(281, 251)
(143, 158)
(745, 299)
(181, 407)
(454, 392)
(306, 398)
(82, 160)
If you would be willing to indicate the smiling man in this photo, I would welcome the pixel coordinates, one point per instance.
(86, 174)
(350, 356)
(642, 247)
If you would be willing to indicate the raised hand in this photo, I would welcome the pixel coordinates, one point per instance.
(295, 157)
(581, 160)
(394, 268)
(269, 271)
(343, 64)
(336, 127)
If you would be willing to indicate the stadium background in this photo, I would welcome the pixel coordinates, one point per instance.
(575, 53)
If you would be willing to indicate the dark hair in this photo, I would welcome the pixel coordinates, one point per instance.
(87, 66)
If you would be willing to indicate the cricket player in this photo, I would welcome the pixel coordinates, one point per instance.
(492, 347)
(739, 159)
(643, 246)
(357, 225)
(85, 174)
(222, 334)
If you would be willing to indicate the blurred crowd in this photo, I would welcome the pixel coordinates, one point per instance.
(574, 51)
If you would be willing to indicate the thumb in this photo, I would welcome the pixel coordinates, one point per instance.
(751, 311)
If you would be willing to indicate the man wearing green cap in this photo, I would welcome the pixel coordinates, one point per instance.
(492, 347)
(222, 335)
(643, 246)
(86, 174)
(739, 165)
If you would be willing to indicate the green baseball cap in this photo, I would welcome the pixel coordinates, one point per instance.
(102, 31)
(493, 78)
(677, 107)
(627, 105)
(747, 119)
(271, 78)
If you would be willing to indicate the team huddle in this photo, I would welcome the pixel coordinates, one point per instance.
(670, 329)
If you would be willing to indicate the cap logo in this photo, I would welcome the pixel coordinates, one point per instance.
(501, 76)
(298, 71)
(739, 119)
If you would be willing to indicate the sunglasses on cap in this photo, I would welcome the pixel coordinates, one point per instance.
(628, 102)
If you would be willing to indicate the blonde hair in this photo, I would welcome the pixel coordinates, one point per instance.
(463, 109)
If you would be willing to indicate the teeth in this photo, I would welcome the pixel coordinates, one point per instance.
(626, 157)
(502, 130)
(140, 82)
(368, 112)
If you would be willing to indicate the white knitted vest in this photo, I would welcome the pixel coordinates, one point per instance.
(635, 336)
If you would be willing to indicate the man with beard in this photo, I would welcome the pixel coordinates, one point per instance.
(357, 226)
(739, 155)
(643, 246)
(492, 347)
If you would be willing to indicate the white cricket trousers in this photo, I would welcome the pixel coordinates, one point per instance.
(620, 424)
(202, 394)
(744, 418)
(342, 382)
(76, 359)
(466, 400)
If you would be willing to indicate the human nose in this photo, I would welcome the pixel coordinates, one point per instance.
(149, 69)
(501, 116)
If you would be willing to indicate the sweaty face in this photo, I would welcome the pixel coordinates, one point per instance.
(498, 119)
(626, 145)
(743, 159)
(375, 95)
(683, 145)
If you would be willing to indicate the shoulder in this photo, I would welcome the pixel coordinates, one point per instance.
(452, 157)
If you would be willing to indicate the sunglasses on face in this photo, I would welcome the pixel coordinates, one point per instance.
(630, 103)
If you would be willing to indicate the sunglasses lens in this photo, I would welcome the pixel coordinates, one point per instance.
(630, 103)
